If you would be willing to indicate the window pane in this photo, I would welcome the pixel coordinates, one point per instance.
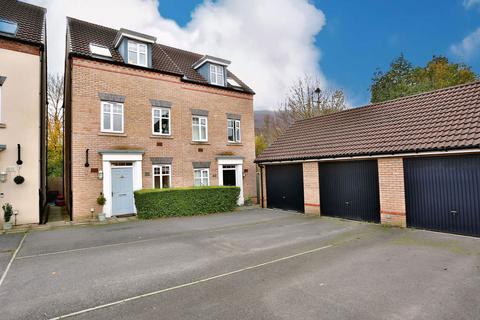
(230, 134)
(117, 122)
(106, 121)
(156, 113)
(106, 108)
(165, 170)
(165, 113)
(142, 59)
(165, 126)
(165, 181)
(156, 180)
(117, 108)
(156, 126)
(156, 170)
(203, 121)
(142, 48)
(203, 133)
(195, 121)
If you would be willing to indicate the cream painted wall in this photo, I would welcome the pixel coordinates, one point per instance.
(20, 103)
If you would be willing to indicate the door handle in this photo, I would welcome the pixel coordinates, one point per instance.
(347, 203)
(453, 212)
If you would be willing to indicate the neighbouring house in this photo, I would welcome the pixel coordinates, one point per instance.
(139, 114)
(23, 109)
(413, 161)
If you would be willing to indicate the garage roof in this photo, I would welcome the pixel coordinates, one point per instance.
(444, 119)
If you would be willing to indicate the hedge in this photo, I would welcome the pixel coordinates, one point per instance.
(153, 203)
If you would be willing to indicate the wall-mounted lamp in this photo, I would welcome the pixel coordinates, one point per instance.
(100, 175)
(3, 177)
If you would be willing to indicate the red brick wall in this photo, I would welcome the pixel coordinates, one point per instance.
(20, 47)
(89, 78)
(311, 188)
(392, 191)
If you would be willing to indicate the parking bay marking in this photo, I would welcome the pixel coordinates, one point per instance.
(223, 275)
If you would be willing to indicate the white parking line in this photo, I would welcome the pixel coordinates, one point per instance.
(223, 275)
(12, 258)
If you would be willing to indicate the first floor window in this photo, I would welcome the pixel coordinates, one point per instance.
(162, 176)
(112, 117)
(201, 177)
(199, 128)
(161, 121)
(233, 130)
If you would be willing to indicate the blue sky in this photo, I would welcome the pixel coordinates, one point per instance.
(361, 36)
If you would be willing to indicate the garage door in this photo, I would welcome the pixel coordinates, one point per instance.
(285, 187)
(350, 190)
(443, 193)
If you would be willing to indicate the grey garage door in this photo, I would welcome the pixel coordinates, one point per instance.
(285, 187)
(350, 190)
(443, 193)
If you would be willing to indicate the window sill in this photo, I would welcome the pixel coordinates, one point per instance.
(234, 144)
(200, 142)
(154, 136)
(3, 125)
(112, 134)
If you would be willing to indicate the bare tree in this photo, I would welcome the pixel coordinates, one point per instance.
(304, 100)
(55, 124)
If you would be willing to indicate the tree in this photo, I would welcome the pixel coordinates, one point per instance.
(260, 144)
(55, 125)
(403, 79)
(304, 100)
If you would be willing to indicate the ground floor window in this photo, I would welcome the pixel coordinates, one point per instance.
(162, 176)
(201, 177)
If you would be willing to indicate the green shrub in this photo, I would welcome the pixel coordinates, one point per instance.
(153, 203)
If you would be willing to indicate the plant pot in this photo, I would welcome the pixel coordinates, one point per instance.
(7, 225)
(102, 217)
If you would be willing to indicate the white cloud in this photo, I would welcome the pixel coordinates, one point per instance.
(469, 47)
(471, 3)
(270, 42)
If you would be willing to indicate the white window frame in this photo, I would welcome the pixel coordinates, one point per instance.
(202, 177)
(102, 123)
(217, 74)
(137, 53)
(160, 166)
(161, 117)
(199, 128)
(237, 135)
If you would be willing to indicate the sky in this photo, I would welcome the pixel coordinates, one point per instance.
(272, 43)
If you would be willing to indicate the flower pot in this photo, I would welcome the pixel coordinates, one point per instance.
(101, 217)
(7, 225)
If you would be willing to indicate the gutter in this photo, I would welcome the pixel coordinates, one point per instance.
(379, 156)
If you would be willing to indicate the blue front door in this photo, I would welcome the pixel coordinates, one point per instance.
(122, 191)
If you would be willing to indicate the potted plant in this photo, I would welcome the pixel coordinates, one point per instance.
(101, 200)
(7, 214)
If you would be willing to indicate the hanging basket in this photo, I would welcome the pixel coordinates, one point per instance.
(19, 179)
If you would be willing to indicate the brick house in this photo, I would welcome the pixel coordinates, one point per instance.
(23, 79)
(139, 114)
(412, 161)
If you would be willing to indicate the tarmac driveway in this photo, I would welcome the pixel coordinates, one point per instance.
(255, 264)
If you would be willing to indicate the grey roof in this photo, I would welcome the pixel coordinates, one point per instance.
(165, 59)
(30, 20)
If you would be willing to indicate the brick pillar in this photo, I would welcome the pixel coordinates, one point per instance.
(392, 192)
(311, 188)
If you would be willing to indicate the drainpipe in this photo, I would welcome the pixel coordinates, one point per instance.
(261, 187)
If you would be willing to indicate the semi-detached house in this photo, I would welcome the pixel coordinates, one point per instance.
(139, 114)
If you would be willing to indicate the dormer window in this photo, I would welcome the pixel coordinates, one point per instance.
(216, 75)
(8, 27)
(137, 53)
